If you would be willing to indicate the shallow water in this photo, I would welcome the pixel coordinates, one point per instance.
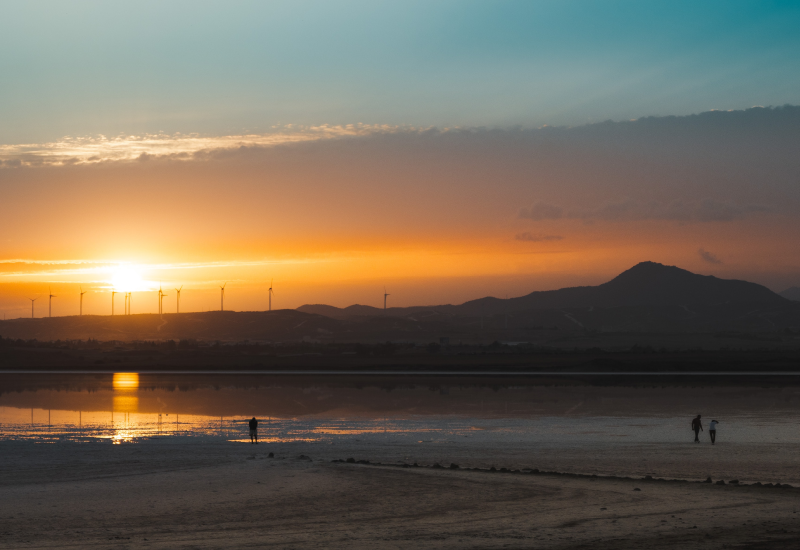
(126, 407)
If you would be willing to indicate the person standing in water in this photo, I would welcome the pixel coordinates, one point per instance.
(697, 426)
(253, 430)
(712, 430)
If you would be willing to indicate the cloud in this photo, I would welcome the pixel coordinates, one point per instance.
(542, 211)
(710, 210)
(18, 267)
(531, 238)
(709, 257)
(706, 210)
(92, 150)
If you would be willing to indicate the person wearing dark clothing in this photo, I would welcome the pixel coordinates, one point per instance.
(697, 426)
(712, 431)
(253, 430)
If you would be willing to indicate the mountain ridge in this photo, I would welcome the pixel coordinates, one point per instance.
(792, 294)
(649, 298)
(645, 284)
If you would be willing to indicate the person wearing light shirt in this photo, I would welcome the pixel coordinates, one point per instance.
(712, 431)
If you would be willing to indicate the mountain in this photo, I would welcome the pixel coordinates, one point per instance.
(645, 284)
(340, 313)
(649, 298)
(282, 325)
(792, 294)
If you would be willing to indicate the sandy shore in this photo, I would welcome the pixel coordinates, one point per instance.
(173, 494)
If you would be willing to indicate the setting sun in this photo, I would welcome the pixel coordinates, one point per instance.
(128, 278)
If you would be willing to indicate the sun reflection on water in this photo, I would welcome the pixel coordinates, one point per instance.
(126, 381)
(126, 403)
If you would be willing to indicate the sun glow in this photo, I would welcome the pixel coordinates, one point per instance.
(128, 278)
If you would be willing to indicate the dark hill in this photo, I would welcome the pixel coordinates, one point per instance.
(648, 298)
(340, 313)
(645, 284)
(286, 325)
(792, 294)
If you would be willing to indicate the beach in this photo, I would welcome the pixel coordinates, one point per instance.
(201, 494)
(165, 462)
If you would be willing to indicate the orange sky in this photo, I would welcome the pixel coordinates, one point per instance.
(441, 149)
(436, 216)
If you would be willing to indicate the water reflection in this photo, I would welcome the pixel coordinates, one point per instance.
(127, 407)
(126, 381)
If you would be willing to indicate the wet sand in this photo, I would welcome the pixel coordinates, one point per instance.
(216, 494)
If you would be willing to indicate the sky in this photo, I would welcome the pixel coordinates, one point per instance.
(443, 150)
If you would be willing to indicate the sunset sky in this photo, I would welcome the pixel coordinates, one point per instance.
(445, 150)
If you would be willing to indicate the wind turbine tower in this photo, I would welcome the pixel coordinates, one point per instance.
(222, 297)
(178, 292)
(82, 293)
(50, 303)
(32, 300)
(270, 294)
(161, 296)
(113, 293)
(384, 298)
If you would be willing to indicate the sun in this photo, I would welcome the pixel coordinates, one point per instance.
(128, 278)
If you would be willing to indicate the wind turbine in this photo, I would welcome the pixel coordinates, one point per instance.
(82, 293)
(222, 297)
(32, 300)
(178, 291)
(113, 293)
(161, 296)
(384, 298)
(270, 294)
(50, 303)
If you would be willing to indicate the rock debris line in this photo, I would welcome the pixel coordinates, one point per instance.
(536, 471)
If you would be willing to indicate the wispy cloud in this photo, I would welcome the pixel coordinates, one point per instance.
(533, 238)
(709, 257)
(706, 210)
(47, 268)
(91, 150)
(542, 211)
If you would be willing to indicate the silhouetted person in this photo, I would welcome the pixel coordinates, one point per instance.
(712, 430)
(697, 426)
(253, 430)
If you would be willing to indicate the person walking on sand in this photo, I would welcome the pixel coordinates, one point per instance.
(697, 426)
(253, 430)
(712, 430)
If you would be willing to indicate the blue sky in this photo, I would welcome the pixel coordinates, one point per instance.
(217, 68)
